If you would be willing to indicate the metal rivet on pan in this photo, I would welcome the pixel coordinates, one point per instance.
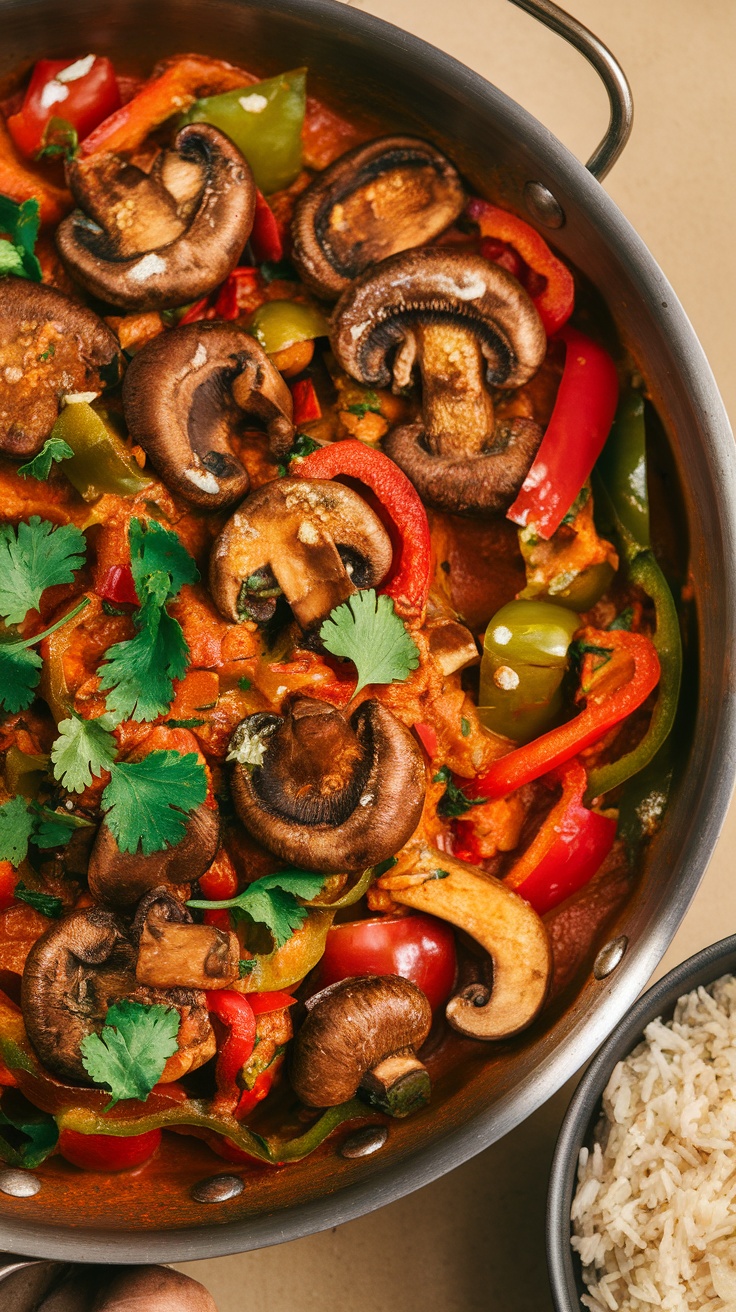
(365, 1141)
(218, 1189)
(19, 1184)
(610, 957)
(543, 206)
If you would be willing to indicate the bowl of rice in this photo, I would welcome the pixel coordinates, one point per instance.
(642, 1199)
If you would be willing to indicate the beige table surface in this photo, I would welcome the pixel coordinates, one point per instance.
(475, 1240)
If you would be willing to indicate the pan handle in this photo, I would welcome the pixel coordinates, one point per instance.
(608, 69)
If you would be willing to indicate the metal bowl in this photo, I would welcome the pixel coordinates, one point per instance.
(356, 60)
(582, 1114)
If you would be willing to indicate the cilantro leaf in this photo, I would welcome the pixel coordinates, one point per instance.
(20, 223)
(84, 748)
(46, 903)
(132, 1049)
(158, 551)
(54, 448)
(138, 674)
(453, 802)
(272, 901)
(54, 828)
(16, 828)
(27, 1136)
(11, 260)
(147, 801)
(367, 630)
(20, 667)
(40, 556)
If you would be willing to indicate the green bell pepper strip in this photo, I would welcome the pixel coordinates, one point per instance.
(101, 461)
(525, 659)
(265, 121)
(621, 494)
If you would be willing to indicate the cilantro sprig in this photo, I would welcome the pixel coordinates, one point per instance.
(147, 801)
(36, 557)
(84, 748)
(130, 1052)
(20, 665)
(27, 1136)
(24, 823)
(137, 674)
(366, 630)
(20, 225)
(273, 901)
(53, 449)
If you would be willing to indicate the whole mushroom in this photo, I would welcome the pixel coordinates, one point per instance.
(50, 347)
(324, 792)
(464, 322)
(185, 395)
(119, 879)
(315, 542)
(145, 241)
(58, 1287)
(173, 952)
(362, 1035)
(376, 200)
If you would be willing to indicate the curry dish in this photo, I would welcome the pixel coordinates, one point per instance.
(336, 666)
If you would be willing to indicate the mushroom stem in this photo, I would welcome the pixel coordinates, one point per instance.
(398, 1085)
(456, 407)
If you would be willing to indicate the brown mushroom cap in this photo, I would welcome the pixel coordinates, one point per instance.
(145, 241)
(315, 541)
(376, 200)
(185, 395)
(465, 322)
(118, 1289)
(173, 952)
(331, 794)
(50, 347)
(119, 879)
(74, 972)
(352, 1028)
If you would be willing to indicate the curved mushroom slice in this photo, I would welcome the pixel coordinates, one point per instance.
(363, 1034)
(145, 241)
(464, 322)
(50, 347)
(119, 879)
(324, 792)
(509, 930)
(173, 952)
(73, 973)
(186, 392)
(315, 541)
(376, 200)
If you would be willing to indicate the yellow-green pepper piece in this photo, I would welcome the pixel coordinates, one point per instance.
(265, 122)
(280, 324)
(24, 774)
(525, 658)
(101, 461)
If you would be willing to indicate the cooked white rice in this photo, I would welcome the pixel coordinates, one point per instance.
(654, 1215)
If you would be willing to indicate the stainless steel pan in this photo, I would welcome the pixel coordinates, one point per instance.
(357, 60)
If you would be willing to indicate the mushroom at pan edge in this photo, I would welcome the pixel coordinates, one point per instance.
(119, 879)
(135, 1289)
(173, 952)
(363, 1034)
(465, 323)
(501, 922)
(50, 346)
(314, 541)
(372, 202)
(185, 395)
(325, 792)
(146, 241)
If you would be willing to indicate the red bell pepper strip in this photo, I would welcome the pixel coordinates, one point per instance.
(634, 656)
(82, 92)
(566, 852)
(575, 436)
(263, 1002)
(227, 305)
(556, 300)
(265, 237)
(408, 580)
(427, 735)
(235, 1011)
(8, 881)
(118, 587)
(220, 881)
(306, 405)
(198, 310)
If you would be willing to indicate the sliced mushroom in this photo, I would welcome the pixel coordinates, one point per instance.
(363, 1034)
(509, 930)
(145, 241)
(185, 395)
(464, 322)
(452, 645)
(50, 347)
(173, 952)
(328, 793)
(376, 200)
(120, 878)
(74, 972)
(315, 541)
